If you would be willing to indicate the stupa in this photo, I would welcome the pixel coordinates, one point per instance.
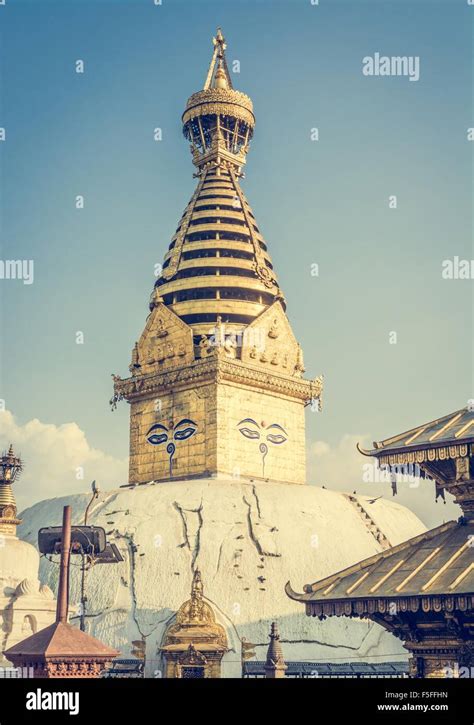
(26, 605)
(217, 479)
(216, 385)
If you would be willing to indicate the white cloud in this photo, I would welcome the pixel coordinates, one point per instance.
(343, 468)
(337, 467)
(54, 458)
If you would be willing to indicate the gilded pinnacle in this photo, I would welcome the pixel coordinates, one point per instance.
(10, 468)
(218, 120)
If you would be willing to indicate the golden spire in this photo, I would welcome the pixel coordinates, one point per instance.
(220, 80)
(219, 56)
(196, 587)
(218, 120)
(197, 592)
(218, 266)
(10, 469)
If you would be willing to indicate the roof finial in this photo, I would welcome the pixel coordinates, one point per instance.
(220, 77)
(10, 469)
(196, 605)
(275, 665)
(218, 121)
(196, 588)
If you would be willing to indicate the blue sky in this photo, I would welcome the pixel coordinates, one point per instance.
(322, 202)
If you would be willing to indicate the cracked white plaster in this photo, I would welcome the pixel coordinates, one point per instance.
(248, 541)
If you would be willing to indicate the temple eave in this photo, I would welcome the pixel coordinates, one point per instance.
(432, 572)
(358, 607)
(202, 371)
(454, 429)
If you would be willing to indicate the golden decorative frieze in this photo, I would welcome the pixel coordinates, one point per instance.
(365, 607)
(219, 100)
(212, 369)
(221, 95)
(441, 453)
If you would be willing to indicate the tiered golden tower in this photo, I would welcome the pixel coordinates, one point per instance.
(216, 384)
(218, 263)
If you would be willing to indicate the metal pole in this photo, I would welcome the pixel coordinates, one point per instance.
(82, 625)
(63, 591)
(95, 494)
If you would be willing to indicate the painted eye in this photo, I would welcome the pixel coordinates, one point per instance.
(157, 434)
(157, 438)
(184, 433)
(275, 438)
(249, 433)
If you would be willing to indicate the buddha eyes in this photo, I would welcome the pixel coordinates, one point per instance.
(159, 434)
(182, 435)
(254, 434)
(276, 438)
(184, 429)
(156, 439)
(249, 433)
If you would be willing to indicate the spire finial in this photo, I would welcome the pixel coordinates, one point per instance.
(10, 469)
(218, 120)
(219, 44)
(197, 588)
(218, 74)
(10, 466)
(196, 596)
(220, 79)
(275, 665)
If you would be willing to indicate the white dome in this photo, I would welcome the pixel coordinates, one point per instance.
(18, 561)
(247, 540)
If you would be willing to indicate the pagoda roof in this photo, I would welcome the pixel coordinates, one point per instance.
(453, 430)
(61, 640)
(432, 570)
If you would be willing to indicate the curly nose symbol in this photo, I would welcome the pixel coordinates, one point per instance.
(263, 450)
(170, 449)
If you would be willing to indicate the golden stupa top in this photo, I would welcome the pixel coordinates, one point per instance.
(195, 624)
(217, 268)
(218, 55)
(10, 469)
(218, 95)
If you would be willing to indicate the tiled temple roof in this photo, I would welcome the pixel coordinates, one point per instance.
(61, 640)
(451, 431)
(433, 570)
